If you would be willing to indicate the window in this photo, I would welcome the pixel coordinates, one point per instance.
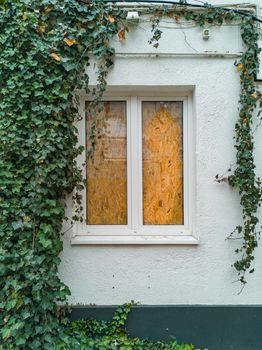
(139, 174)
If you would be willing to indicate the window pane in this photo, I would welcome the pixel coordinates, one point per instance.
(162, 163)
(107, 167)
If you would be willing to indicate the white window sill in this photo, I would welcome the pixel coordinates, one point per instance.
(176, 240)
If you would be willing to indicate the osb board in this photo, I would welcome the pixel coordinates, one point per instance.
(162, 163)
(107, 171)
(162, 167)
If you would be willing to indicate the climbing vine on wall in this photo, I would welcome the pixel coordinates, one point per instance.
(44, 49)
(242, 175)
(45, 46)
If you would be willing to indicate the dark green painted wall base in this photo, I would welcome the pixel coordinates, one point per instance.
(214, 327)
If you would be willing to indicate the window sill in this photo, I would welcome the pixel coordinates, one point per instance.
(175, 240)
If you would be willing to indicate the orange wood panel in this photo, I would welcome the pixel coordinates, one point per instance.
(162, 163)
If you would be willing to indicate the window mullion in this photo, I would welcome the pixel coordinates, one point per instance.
(129, 165)
(140, 162)
(134, 165)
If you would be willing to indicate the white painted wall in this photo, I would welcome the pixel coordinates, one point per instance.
(108, 275)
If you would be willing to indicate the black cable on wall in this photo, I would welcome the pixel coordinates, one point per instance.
(184, 3)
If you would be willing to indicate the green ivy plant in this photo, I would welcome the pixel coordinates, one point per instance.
(101, 335)
(45, 47)
(243, 176)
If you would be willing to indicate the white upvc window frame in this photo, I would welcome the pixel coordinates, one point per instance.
(135, 232)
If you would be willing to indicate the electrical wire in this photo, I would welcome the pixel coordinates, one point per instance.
(184, 3)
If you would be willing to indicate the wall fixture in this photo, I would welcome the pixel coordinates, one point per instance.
(206, 34)
(132, 16)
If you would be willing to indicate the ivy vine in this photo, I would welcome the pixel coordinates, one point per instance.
(44, 50)
(243, 176)
(93, 334)
(45, 47)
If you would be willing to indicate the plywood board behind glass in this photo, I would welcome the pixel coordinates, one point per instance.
(107, 166)
(162, 163)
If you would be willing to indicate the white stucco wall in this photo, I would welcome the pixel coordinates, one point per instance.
(108, 275)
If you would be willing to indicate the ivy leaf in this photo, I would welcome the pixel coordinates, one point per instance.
(69, 42)
(45, 242)
(55, 56)
(111, 19)
(239, 67)
(122, 34)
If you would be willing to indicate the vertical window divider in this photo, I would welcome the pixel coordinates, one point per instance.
(129, 164)
(140, 160)
(135, 188)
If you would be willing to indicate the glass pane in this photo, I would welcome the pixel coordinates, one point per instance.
(107, 167)
(162, 163)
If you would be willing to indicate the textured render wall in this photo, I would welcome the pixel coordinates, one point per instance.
(202, 274)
